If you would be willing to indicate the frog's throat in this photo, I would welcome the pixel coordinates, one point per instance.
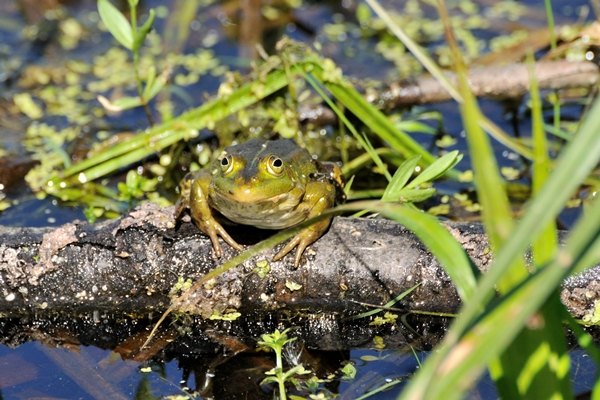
(275, 212)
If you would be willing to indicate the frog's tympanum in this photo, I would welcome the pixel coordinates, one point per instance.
(269, 184)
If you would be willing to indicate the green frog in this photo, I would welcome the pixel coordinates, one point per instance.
(269, 184)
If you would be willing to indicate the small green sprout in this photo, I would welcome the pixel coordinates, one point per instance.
(225, 317)
(400, 189)
(93, 213)
(593, 315)
(135, 186)
(181, 285)
(378, 342)
(262, 268)
(276, 341)
(388, 318)
(292, 286)
(349, 372)
(130, 36)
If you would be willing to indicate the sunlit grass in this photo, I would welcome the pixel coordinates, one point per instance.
(480, 338)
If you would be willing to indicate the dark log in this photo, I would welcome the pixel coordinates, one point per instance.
(131, 265)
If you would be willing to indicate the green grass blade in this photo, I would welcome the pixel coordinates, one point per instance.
(161, 136)
(496, 211)
(545, 247)
(536, 364)
(414, 195)
(428, 229)
(524, 372)
(436, 71)
(377, 121)
(578, 158)
(401, 176)
(362, 139)
(436, 169)
(372, 117)
(386, 305)
(448, 373)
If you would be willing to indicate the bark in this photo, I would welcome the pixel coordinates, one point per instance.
(503, 82)
(132, 264)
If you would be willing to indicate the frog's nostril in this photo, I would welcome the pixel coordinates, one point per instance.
(231, 192)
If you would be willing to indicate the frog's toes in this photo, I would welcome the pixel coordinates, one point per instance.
(288, 247)
(215, 243)
(301, 242)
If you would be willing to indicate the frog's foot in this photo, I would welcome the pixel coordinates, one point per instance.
(301, 240)
(214, 230)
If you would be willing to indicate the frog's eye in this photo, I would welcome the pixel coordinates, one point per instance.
(226, 164)
(275, 165)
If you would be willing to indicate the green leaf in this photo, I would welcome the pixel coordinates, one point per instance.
(386, 305)
(141, 34)
(415, 126)
(414, 195)
(124, 103)
(402, 175)
(154, 84)
(438, 168)
(150, 79)
(349, 372)
(292, 286)
(116, 23)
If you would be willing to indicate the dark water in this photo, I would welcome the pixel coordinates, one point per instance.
(38, 369)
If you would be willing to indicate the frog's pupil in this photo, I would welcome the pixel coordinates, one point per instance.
(224, 162)
(277, 163)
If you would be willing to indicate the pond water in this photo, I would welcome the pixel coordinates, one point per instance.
(38, 361)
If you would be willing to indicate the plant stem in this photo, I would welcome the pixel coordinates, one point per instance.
(136, 64)
(280, 377)
(550, 16)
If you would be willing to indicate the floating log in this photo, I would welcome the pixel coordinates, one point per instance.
(133, 263)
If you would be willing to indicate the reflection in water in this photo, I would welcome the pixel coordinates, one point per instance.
(96, 356)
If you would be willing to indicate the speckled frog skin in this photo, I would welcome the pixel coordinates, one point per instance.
(270, 184)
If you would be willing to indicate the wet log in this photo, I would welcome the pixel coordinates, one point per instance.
(132, 264)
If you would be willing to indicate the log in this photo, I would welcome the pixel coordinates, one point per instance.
(498, 82)
(132, 264)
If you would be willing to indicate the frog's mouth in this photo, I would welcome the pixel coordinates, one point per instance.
(275, 212)
(248, 196)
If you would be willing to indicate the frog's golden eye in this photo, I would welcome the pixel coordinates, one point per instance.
(275, 165)
(226, 164)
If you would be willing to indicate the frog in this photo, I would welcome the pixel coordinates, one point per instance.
(269, 184)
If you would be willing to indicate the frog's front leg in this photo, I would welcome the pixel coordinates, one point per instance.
(319, 197)
(202, 213)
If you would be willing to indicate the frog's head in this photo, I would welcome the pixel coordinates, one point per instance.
(259, 172)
